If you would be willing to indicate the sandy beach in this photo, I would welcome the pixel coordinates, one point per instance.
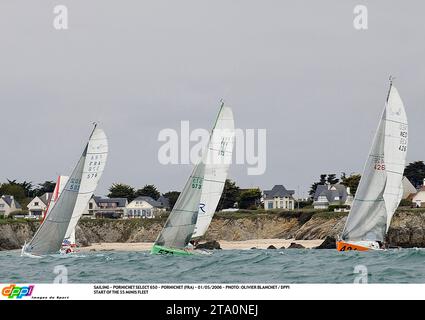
(225, 245)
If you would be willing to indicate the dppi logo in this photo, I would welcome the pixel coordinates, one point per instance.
(13, 291)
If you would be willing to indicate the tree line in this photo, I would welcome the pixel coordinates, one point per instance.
(414, 171)
(232, 196)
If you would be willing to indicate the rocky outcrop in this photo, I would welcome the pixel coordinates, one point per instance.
(13, 234)
(320, 227)
(328, 243)
(271, 247)
(407, 228)
(294, 245)
(209, 245)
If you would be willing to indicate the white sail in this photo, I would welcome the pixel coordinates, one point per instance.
(395, 150)
(218, 159)
(380, 189)
(181, 222)
(49, 236)
(97, 153)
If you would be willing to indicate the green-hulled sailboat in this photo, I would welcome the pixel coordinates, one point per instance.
(180, 226)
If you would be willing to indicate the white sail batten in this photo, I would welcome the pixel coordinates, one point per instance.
(97, 153)
(380, 188)
(217, 161)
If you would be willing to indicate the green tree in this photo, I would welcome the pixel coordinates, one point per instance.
(172, 197)
(230, 195)
(46, 186)
(27, 186)
(249, 198)
(15, 190)
(415, 172)
(315, 184)
(120, 190)
(148, 190)
(332, 179)
(352, 182)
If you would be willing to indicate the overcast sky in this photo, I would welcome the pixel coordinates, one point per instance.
(296, 68)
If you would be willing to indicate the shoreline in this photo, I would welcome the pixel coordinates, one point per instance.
(225, 245)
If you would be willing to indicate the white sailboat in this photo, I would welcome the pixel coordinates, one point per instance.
(380, 189)
(49, 236)
(97, 153)
(218, 159)
(180, 225)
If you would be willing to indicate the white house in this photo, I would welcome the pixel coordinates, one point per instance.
(144, 207)
(418, 199)
(7, 205)
(331, 194)
(38, 206)
(279, 198)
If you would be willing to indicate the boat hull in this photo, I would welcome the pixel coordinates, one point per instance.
(357, 246)
(170, 251)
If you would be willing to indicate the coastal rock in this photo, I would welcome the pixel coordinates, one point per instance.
(210, 245)
(253, 248)
(294, 245)
(281, 248)
(80, 237)
(320, 227)
(407, 228)
(271, 247)
(328, 243)
(13, 234)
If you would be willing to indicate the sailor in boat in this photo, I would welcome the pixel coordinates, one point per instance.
(67, 247)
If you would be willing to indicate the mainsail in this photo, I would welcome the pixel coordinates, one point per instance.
(217, 162)
(50, 234)
(97, 153)
(380, 188)
(181, 222)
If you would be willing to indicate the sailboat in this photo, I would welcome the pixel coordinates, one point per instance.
(380, 189)
(180, 225)
(97, 153)
(49, 236)
(218, 159)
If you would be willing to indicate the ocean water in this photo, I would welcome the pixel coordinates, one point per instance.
(223, 266)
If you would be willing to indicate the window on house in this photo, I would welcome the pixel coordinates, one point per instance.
(336, 198)
(291, 205)
(281, 204)
(36, 203)
(270, 205)
(90, 206)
